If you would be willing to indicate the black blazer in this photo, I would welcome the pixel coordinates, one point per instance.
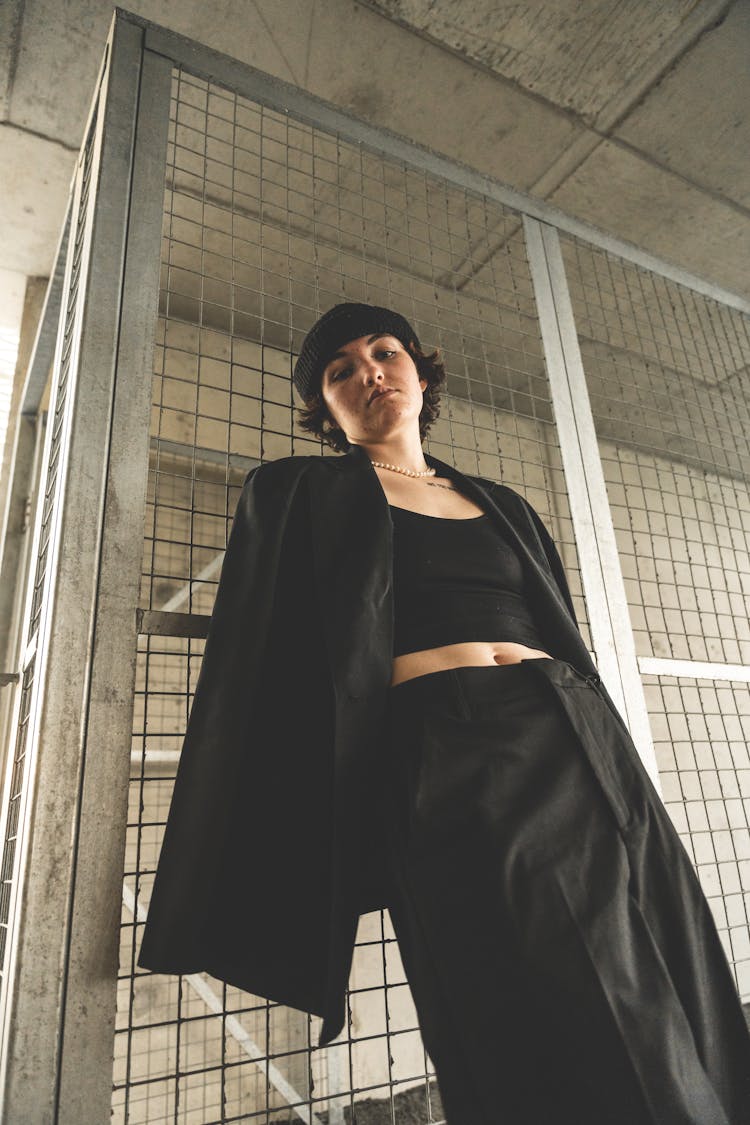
(268, 855)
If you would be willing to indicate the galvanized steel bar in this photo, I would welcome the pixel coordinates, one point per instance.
(44, 344)
(102, 813)
(156, 623)
(20, 769)
(601, 574)
(693, 669)
(65, 971)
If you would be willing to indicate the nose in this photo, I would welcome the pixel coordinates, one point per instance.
(372, 371)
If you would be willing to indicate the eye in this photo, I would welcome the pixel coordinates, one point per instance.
(385, 353)
(339, 373)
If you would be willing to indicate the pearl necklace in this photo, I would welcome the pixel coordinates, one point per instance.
(406, 472)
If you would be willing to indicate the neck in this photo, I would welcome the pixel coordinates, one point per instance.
(406, 453)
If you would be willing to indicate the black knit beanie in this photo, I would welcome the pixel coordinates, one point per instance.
(338, 326)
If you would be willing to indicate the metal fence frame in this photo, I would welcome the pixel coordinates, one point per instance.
(61, 964)
(62, 960)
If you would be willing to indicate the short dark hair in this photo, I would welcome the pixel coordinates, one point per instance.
(315, 417)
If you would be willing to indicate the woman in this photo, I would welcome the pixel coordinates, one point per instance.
(467, 769)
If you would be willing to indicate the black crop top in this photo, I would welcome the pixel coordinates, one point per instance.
(456, 580)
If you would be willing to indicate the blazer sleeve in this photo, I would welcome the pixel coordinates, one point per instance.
(217, 735)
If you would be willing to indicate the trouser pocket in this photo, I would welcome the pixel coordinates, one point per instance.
(603, 740)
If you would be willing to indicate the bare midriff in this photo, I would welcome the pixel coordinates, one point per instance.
(462, 655)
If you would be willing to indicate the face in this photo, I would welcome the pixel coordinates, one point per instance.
(353, 379)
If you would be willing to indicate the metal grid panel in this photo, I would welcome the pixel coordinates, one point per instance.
(701, 735)
(72, 313)
(194, 1027)
(18, 777)
(13, 797)
(268, 222)
(238, 1057)
(667, 371)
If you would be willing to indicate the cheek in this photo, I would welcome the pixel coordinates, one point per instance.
(345, 399)
(335, 407)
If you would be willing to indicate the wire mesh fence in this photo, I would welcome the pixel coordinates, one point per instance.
(20, 781)
(667, 372)
(702, 734)
(268, 222)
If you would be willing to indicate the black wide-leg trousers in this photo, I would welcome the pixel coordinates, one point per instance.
(563, 960)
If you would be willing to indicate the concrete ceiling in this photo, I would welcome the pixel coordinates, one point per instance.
(629, 114)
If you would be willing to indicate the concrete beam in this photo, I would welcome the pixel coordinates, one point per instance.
(33, 198)
(577, 56)
(502, 92)
(622, 192)
(11, 15)
(695, 122)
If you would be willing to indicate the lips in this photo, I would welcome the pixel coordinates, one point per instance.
(379, 394)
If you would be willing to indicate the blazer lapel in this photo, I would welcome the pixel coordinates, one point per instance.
(480, 496)
(352, 544)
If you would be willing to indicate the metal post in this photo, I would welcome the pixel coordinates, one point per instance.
(601, 575)
(59, 1055)
(90, 1004)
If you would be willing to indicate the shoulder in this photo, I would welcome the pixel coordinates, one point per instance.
(286, 470)
(271, 488)
(524, 518)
